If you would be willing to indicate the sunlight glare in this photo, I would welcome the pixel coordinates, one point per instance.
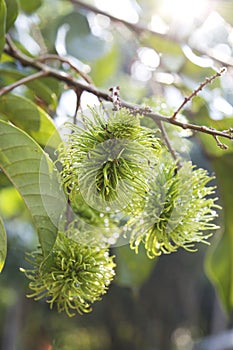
(184, 9)
(223, 106)
(149, 57)
(158, 25)
(123, 9)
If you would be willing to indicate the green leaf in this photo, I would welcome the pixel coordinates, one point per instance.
(30, 6)
(10, 74)
(195, 73)
(12, 13)
(4, 181)
(132, 269)
(80, 42)
(219, 261)
(162, 44)
(2, 25)
(103, 69)
(77, 22)
(3, 245)
(29, 117)
(49, 30)
(11, 203)
(32, 173)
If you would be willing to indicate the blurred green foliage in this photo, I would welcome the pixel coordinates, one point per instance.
(150, 301)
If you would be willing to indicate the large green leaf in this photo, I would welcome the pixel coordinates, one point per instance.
(33, 174)
(4, 181)
(12, 13)
(29, 117)
(219, 262)
(132, 269)
(3, 245)
(11, 203)
(30, 6)
(2, 25)
(9, 74)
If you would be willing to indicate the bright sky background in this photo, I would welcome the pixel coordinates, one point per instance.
(179, 9)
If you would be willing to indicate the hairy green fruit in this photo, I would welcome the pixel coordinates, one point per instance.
(177, 211)
(72, 277)
(109, 159)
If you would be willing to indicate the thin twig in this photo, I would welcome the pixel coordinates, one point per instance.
(13, 51)
(22, 81)
(219, 143)
(185, 126)
(78, 97)
(54, 57)
(168, 144)
(197, 90)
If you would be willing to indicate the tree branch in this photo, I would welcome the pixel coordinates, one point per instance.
(74, 83)
(12, 50)
(47, 57)
(22, 81)
(168, 144)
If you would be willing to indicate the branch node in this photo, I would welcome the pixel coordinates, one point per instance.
(229, 132)
(115, 96)
(219, 143)
(142, 110)
(54, 57)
